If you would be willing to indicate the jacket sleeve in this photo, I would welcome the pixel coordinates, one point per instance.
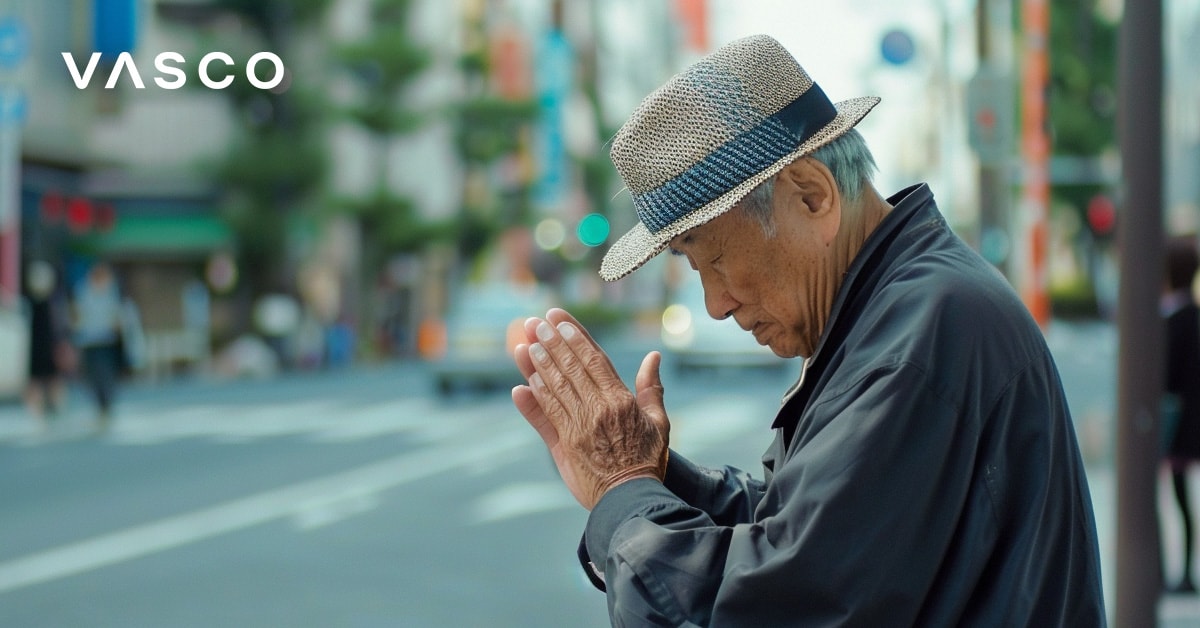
(727, 495)
(872, 491)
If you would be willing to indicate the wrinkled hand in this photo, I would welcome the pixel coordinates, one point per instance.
(599, 433)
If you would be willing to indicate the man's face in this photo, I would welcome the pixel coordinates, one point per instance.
(769, 285)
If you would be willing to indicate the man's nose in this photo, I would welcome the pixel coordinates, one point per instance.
(718, 302)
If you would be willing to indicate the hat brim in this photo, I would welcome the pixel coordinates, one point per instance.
(639, 245)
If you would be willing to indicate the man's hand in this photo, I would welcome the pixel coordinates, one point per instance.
(599, 432)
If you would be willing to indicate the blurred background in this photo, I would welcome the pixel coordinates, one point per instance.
(325, 273)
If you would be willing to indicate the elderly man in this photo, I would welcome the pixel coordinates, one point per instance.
(924, 470)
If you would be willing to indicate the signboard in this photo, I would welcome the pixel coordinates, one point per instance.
(14, 42)
(990, 115)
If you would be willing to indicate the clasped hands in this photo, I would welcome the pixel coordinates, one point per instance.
(599, 432)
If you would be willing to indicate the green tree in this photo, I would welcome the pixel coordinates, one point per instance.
(488, 128)
(385, 63)
(276, 166)
(1082, 90)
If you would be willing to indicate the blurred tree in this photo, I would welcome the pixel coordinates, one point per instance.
(1082, 91)
(385, 62)
(276, 166)
(491, 136)
(1081, 102)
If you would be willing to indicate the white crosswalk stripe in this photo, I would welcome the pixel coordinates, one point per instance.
(421, 420)
(696, 427)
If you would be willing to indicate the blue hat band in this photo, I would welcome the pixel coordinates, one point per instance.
(747, 154)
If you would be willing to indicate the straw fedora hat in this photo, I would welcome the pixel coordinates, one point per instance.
(697, 145)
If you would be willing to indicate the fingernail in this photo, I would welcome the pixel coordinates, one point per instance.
(544, 332)
(567, 330)
(537, 352)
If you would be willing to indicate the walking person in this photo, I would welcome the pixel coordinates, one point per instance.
(1181, 399)
(97, 318)
(924, 469)
(50, 353)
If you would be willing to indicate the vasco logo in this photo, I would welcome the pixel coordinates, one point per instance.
(163, 64)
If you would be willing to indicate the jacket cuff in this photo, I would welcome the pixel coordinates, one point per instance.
(687, 479)
(624, 502)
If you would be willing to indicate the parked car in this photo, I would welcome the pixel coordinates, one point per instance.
(483, 327)
(693, 339)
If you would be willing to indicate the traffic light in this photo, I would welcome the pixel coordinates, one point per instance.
(593, 230)
(1101, 215)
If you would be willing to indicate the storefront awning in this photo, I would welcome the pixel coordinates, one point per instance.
(162, 235)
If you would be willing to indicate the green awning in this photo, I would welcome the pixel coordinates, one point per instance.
(162, 235)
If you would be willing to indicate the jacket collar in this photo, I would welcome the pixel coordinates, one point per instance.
(906, 205)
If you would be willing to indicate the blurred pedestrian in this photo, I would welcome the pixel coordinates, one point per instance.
(1181, 399)
(925, 470)
(97, 318)
(50, 353)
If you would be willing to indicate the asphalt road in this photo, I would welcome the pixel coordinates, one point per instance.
(361, 499)
(345, 499)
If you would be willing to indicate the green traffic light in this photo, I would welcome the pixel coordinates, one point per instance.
(593, 230)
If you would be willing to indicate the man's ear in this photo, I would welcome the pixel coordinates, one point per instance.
(807, 185)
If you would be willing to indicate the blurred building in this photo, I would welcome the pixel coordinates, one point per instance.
(1182, 121)
(113, 174)
(112, 171)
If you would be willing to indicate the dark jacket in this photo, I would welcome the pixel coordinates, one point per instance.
(1183, 380)
(925, 471)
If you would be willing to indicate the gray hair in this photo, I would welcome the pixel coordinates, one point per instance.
(848, 159)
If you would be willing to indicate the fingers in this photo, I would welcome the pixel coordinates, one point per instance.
(558, 316)
(559, 368)
(527, 404)
(648, 383)
(524, 362)
(593, 359)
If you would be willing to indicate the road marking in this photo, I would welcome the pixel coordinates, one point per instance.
(694, 427)
(349, 486)
(519, 499)
(699, 426)
(326, 511)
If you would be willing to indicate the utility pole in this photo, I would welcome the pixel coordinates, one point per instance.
(991, 110)
(1140, 237)
(1035, 156)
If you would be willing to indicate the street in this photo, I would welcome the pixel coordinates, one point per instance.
(360, 498)
(342, 499)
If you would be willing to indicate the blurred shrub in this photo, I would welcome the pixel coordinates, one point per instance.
(1075, 299)
(600, 319)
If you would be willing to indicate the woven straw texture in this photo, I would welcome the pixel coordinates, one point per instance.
(719, 98)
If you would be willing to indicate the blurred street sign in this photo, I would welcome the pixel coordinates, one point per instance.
(990, 115)
(13, 107)
(12, 113)
(114, 27)
(554, 77)
(14, 42)
(897, 47)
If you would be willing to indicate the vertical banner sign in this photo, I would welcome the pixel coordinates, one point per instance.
(114, 27)
(12, 111)
(693, 14)
(14, 45)
(554, 79)
(1035, 153)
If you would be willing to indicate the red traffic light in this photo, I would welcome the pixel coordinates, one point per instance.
(1101, 215)
(79, 214)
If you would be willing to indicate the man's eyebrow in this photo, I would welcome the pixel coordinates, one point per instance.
(687, 239)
